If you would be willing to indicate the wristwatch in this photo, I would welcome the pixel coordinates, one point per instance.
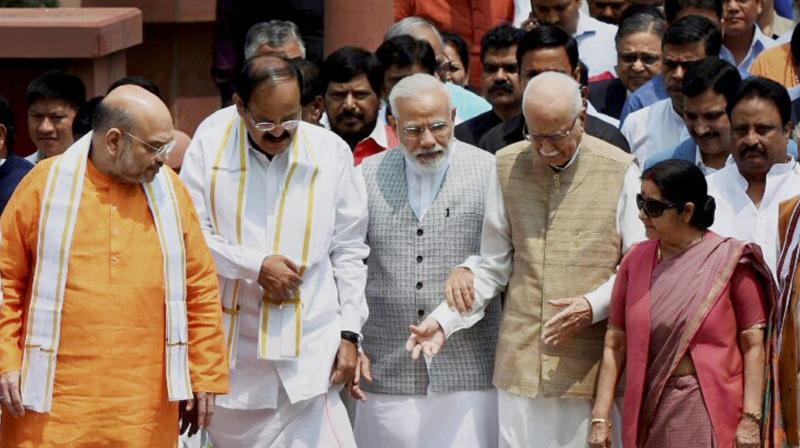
(350, 336)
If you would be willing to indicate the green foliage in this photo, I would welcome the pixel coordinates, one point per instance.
(29, 4)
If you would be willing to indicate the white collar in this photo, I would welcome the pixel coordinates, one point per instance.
(571, 161)
(378, 134)
(586, 25)
(705, 168)
(778, 169)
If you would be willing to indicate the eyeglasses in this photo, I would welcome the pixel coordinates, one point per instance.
(438, 129)
(554, 138)
(646, 58)
(268, 126)
(160, 152)
(653, 207)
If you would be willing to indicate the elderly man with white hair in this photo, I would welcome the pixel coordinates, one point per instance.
(426, 205)
(559, 216)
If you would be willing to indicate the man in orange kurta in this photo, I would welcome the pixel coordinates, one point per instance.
(110, 380)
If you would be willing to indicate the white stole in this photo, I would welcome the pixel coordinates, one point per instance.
(280, 320)
(59, 211)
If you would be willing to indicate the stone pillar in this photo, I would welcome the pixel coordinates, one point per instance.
(356, 22)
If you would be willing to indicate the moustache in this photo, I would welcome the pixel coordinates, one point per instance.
(273, 139)
(708, 135)
(752, 149)
(345, 114)
(501, 87)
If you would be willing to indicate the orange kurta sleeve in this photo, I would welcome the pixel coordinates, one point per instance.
(208, 366)
(18, 224)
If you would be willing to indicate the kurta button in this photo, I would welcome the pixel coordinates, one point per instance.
(420, 232)
(419, 258)
(420, 313)
(419, 285)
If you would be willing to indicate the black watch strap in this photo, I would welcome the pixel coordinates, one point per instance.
(350, 336)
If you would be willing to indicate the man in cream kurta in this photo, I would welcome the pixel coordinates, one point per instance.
(749, 192)
(558, 219)
(285, 216)
(111, 310)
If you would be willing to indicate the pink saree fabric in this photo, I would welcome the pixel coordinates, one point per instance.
(696, 302)
(681, 419)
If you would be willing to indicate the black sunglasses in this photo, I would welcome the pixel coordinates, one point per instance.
(653, 207)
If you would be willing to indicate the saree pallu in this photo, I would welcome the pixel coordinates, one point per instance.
(689, 299)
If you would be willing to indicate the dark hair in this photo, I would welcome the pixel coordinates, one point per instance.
(584, 73)
(500, 38)
(82, 123)
(712, 73)
(57, 85)
(7, 120)
(644, 19)
(264, 68)
(693, 29)
(460, 45)
(405, 51)
(346, 63)
(106, 117)
(547, 36)
(141, 81)
(672, 8)
(766, 89)
(681, 182)
(309, 73)
(795, 44)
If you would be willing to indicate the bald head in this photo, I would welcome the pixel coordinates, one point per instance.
(131, 107)
(551, 94)
(132, 134)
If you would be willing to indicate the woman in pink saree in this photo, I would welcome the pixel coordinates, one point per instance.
(687, 324)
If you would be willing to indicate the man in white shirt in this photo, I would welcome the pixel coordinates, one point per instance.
(742, 39)
(426, 202)
(660, 126)
(285, 217)
(559, 216)
(595, 38)
(707, 89)
(276, 37)
(749, 192)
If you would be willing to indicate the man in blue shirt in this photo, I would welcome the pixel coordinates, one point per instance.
(12, 167)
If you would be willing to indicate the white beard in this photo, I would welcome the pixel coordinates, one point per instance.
(429, 166)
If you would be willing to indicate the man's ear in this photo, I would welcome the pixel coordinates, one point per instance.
(113, 139)
(237, 101)
(318, 105)
(3, 136)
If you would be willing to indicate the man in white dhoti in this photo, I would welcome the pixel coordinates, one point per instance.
(285, 216)
(559, 217)
(426, 202)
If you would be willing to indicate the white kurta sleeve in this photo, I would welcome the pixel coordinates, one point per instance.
(630, 228)
(232, 261)
(348, 248)
(492, 269)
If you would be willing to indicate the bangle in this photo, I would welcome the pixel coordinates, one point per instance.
(755, 416)
(601, 420)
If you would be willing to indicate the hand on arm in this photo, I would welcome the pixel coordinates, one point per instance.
(459, 290)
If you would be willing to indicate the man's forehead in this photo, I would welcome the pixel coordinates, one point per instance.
(549, 3)
(51, 105)
(685, 52)
(755, 109)
(509, 53)
(358, 82)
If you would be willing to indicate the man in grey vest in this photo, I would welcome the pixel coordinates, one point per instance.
(559, 217)
(426, 204)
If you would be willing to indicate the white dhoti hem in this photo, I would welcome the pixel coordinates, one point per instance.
(457, 419)
(548, 422)
(317, 422)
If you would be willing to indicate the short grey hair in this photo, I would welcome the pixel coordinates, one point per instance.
(547, 84)
(414, 86)
(409, 26)
(273, 33)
